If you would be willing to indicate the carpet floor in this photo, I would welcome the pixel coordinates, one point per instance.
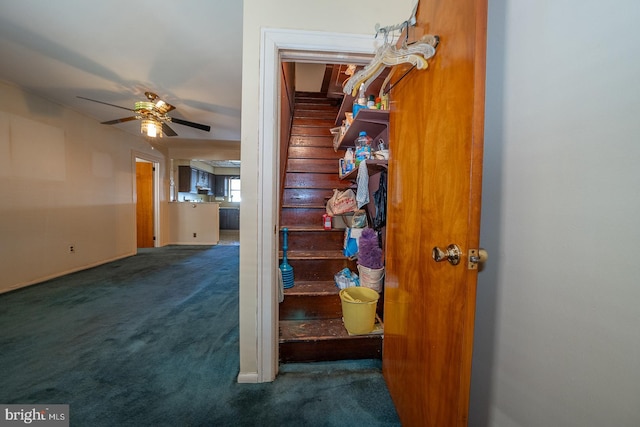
(152, 340)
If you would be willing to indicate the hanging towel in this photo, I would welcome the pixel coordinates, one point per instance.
(280, 286)
(362, 195)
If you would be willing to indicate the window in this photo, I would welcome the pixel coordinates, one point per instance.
(234, 189)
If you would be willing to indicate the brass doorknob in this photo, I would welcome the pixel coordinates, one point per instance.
(451, 254)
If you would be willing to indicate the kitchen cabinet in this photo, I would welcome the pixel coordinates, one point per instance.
(229, 218)
(220, 186)
(190, 180)
(187, 178)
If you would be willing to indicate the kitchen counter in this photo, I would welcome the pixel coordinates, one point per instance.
(194, 223)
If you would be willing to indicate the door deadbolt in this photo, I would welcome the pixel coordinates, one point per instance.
(477, 256)
(451, 254)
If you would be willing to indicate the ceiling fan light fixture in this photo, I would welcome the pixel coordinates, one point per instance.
(153, 117)
(143, 106)
(151, 127)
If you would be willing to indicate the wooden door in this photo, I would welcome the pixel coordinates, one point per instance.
(435, 173)
(144, 204)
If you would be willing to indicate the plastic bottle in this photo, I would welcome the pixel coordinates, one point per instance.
(349, 160)
(361, 101)
(362, 97)
(363, 147)
(363, 140)
(371, 103)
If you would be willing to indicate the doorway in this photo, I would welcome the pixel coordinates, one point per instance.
(147, 191)
(277, 46)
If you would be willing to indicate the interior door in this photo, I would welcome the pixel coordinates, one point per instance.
(435, 173)
(144, 205)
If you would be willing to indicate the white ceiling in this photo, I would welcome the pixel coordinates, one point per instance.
(189, 52)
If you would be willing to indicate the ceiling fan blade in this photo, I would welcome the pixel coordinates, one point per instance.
(113, 122)
(191, 124)
(105, 103)
(167, 130)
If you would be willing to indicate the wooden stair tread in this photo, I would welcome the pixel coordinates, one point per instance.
(333, 254)
(311, 228)
(304, 206)
(317, 330)
(313, 288)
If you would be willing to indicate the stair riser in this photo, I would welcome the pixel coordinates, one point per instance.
(310, 131)
(313, 165)
(313, 153)
(301, 216)
(306, 196)
(327, 350)
(322, 110)
(305, 101)
(319, 269)
(313, 180)
(311, 141)
(314, 240)
(301, 307)
(328, 114)
(314, 122)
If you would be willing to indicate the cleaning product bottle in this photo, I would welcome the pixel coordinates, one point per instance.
(349, 160)
(363, 140)
(360, 102)
(362, 97)
(363, 147)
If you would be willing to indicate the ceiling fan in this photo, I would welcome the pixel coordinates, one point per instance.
(152, 115)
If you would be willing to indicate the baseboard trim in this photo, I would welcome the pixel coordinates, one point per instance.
(47, 277)
(248, 378)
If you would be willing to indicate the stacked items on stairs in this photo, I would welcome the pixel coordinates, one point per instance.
(311, 327)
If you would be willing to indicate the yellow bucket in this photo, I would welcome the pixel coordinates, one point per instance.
(359, 309)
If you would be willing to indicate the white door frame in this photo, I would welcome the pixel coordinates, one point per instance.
(289, 45)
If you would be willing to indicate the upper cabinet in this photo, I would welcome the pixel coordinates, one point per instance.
(192, 180)
(187, 178)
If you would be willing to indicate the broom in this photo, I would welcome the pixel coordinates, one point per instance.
(285, 268)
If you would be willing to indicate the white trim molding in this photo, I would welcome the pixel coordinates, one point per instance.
(283, 45)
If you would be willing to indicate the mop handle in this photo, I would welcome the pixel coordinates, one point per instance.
(285, 245)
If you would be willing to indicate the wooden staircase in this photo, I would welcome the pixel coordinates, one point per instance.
(311, 327)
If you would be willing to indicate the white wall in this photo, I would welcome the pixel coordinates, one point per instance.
(309, 77)
(356, 16)
(64, 180)
(557, 338)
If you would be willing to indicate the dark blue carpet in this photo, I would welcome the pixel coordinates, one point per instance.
(152, 340)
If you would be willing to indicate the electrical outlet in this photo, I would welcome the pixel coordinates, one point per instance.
(72, 249)
(194, 235)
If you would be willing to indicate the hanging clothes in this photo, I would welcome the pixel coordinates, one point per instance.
(380, 201)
